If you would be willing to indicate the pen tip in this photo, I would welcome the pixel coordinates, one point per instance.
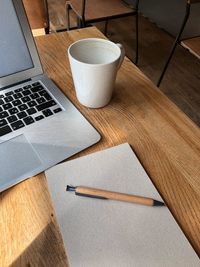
(158, 203)
(70, 188)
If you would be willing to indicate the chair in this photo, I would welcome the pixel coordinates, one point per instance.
(178, 37)
(193, 45)
(37, 13)
(91, 11)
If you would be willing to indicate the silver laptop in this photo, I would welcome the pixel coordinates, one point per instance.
(39, 126)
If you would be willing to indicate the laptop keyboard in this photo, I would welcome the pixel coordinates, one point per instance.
(24, 106)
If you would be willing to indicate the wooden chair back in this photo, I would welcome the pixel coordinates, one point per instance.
(96, 10)
(193, 1)
(37, 13)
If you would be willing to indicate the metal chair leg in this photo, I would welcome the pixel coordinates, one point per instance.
(175, 43)
(47, 28)
(82, 19)
(136, 38)
(68, 16)
(106, 28)
(81, 23)
(135, 7)
(78, 22)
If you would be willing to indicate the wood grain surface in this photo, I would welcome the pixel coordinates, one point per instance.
(165, 140)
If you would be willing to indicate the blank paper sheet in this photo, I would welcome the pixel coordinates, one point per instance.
(108, 233)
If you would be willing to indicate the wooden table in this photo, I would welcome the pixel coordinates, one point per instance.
(166, 141)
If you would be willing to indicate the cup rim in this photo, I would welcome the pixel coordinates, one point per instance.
(94, 39)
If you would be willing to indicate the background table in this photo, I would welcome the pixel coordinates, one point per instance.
(193, 45)
(166, 141)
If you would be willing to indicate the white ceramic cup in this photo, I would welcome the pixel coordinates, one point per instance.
(94, 64)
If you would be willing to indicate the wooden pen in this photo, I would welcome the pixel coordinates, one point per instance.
(105, 194)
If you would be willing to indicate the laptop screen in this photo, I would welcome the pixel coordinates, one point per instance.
(19, 59)
(14, 53)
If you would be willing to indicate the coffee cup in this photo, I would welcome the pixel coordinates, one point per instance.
(94, 64)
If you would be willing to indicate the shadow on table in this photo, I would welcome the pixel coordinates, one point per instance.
(45, 250)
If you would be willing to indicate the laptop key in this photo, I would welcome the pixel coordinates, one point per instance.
(41, 93)
(3, 122)
(40, 117)
(47, 112)
(36, 84)
(13, 111)
(1, 109)
(17, 95)
(34, 96)
(45, 95)
(37, 89)
(32, 103)
(17, 125)
(41, 100)
(9, 93)
(5, 130)
(7, 106)
(17, 102)
(26, 92)
(8, 99)
(22, 115)
(18, 90)
(31, 111)
(25, 99)
(28, 120)
(23, 107)
(27, 86)
(57, 110)
(1, 102)
(3, 114)
(46, 105)
(12, 118)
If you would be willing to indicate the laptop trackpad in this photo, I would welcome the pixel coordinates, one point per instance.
(19, 163)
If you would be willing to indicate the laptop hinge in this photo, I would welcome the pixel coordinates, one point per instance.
(11, 85)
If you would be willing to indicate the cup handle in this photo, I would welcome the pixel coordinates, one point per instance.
(122, 54)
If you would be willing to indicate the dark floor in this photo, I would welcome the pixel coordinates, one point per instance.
(182, 79)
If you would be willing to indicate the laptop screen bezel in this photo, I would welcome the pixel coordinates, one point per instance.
(37, 67)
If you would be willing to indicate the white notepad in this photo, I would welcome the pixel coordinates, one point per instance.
(107, 233)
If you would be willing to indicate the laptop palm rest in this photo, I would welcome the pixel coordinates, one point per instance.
(21, 160)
